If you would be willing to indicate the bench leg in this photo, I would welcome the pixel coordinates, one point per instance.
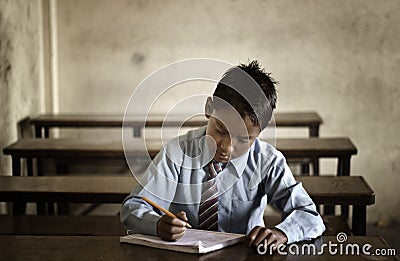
(305, 168)
(39, 134)
(329, 210)
(343, 169)
(137, 132)
(38, 131)
(29, 166)
(62, 208)
(50, 208)
(315, 164)
(16, 166)
(46, 132)
(359, 223)
(40, 207)
(313, 131)
(18, 208)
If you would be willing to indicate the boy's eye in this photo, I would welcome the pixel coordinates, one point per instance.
(221, 131)
(244, 140)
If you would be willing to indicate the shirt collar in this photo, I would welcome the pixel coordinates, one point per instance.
(239, 163)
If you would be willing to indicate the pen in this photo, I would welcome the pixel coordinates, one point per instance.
(163, 210)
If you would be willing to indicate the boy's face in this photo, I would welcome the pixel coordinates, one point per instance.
(232, 134)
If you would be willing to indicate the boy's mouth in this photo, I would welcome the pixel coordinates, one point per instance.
(222, 157)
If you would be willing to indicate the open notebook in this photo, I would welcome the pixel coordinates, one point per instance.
(193, 241)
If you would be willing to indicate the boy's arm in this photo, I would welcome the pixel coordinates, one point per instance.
(301, 221)
(138, 217)
(159, 183)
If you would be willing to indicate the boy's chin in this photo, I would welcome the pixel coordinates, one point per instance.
(221, 161)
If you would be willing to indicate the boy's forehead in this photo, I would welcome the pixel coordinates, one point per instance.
(229, 118)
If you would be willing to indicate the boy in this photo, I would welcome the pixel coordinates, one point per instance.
(221, 176)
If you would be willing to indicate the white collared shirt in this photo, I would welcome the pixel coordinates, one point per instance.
(178, 173)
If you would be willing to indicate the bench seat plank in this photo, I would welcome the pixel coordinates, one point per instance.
(51, 148)
(284, 119)
(328, 190)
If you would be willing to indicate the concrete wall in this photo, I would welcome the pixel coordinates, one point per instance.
(19, 69)
(340, 58)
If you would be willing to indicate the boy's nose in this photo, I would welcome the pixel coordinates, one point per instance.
(227, 146)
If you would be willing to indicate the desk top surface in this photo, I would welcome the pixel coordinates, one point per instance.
(290, 147)
(109, 248)
(338, 190)
(285, 119)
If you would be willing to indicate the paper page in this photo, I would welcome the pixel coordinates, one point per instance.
(208, 238)
(184, 241)
(194, 237)
(193, 241)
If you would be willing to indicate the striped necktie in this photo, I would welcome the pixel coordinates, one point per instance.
(208, 210)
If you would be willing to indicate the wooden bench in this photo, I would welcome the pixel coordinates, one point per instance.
(344, 191)
(340, 148)
(331, 190)
(43, 123)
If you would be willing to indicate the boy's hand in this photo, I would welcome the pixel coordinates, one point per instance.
(172, 229)
(267, 236)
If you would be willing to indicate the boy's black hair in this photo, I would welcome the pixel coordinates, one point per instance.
(250, 90)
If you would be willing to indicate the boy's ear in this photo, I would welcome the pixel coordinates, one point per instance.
(208, 108)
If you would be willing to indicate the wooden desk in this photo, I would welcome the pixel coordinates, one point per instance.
(340, 148)
(30, 149)
(71, 225)
(66, 189)
(43, 123)
(344, 191)
(61, 225)
(330, 190)
(109, 248)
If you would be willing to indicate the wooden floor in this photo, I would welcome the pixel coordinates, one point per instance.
(391, 234)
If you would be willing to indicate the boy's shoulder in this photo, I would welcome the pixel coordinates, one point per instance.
(192, 141)
(189, 139)
(266, 151)
(193, 135)
(186, 150)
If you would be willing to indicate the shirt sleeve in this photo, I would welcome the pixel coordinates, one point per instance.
(158, 184)
(301, 221)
